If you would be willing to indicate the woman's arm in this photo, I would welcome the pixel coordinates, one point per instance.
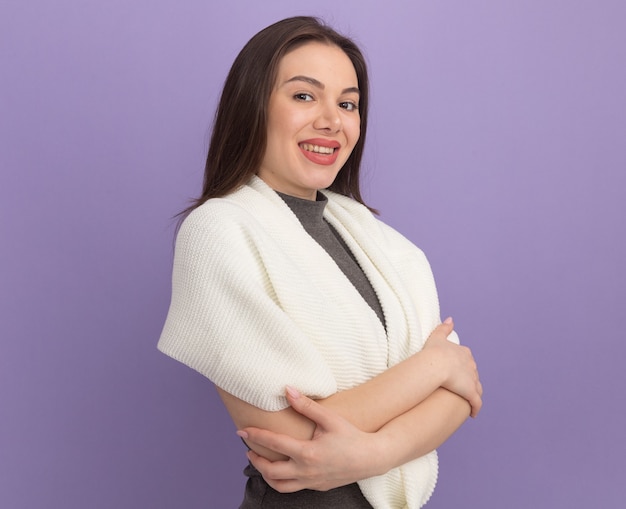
(339, 453)
(376, 402)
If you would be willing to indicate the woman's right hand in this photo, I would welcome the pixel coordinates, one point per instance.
(337, 454)
(458, 366)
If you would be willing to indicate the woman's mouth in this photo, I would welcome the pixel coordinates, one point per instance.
(319, 154)
(318, 149)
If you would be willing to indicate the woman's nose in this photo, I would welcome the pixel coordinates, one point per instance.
(328, 119)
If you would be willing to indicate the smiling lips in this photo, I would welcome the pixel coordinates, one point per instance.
(320, 151)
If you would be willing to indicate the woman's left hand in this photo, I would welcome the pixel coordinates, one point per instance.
(338, 453)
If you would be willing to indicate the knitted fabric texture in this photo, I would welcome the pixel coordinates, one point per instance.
(258, 304)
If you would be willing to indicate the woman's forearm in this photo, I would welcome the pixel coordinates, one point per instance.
(422, 429)
(368, 406)
(339, 453)
(404, 386)
(373, 404)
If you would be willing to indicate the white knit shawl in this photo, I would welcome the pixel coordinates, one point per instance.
(257, 304)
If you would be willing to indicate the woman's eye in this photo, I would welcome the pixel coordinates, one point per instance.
(349, 106)
(303, 97)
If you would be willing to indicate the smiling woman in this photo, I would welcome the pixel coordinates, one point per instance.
(313, 120)
(318, 324)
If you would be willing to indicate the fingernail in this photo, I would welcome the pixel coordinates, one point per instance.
(292, 392)
(242, 434)
(448, 320)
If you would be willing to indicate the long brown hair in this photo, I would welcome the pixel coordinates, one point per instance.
(239, 134)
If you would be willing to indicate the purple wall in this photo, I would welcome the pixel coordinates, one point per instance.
(498, 144)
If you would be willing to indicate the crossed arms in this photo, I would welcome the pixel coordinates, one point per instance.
(401, 414)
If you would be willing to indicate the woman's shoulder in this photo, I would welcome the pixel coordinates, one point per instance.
(212, 227)
(239, 218)
(218, 212)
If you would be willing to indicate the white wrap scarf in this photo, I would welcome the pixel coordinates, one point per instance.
(257, 304)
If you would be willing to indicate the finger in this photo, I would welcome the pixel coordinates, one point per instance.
(282, 472)
(476, 405)
(287, 485)
(282, 444)
(276, 470)
(320, 415)
(445, 328)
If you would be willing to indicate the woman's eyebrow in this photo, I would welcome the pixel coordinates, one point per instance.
(319, 84)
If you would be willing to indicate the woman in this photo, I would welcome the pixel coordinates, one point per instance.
(280, 287)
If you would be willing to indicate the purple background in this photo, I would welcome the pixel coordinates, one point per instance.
(497, 144)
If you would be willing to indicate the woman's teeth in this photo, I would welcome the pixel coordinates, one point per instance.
(316, 148)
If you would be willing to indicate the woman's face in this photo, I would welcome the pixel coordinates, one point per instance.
(313, 120)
